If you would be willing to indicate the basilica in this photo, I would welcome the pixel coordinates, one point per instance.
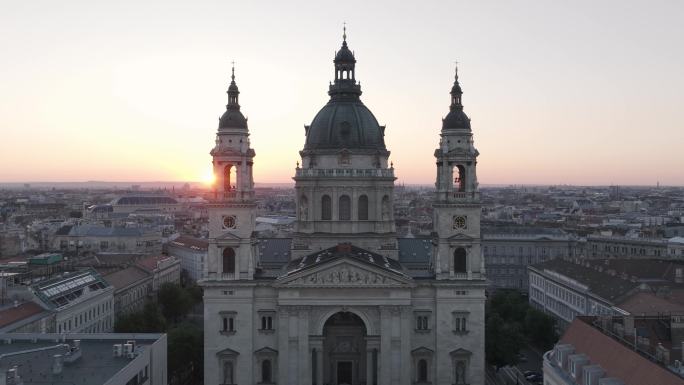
(344, 300)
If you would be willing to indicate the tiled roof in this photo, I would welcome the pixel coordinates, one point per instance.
(648, 303)
(16, 313)
(615, 358)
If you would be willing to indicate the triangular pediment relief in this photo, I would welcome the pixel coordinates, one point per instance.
(266, 351)
(460, 237)
(228, 236)
(460, 352)
(344, 273)
(228, 352)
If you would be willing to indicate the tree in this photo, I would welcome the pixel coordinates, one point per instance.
(185, 354)
(540, 328)
(175, 302)
(150, 320)
(502, 341)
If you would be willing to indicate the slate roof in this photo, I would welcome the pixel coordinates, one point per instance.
(274, 251)
(415, 255)
(126, 277)
(494, 232)
(606, 286)
(345, 251)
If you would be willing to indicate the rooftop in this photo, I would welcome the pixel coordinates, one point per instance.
(604, 285)
(152, 262)
(12, 314)
(126, 277)
(615, 357)
(69, 288)
(345, 251)
(197, 244)
(93, 361)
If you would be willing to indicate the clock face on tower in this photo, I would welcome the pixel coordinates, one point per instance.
(229, 221)
(460, 222)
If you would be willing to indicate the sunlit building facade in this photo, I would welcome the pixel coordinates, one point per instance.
(342, 304)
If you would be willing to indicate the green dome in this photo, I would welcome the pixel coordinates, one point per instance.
(345, 124)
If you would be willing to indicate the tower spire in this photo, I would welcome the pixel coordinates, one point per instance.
(344, 33)
(233, 91)
(456, 92)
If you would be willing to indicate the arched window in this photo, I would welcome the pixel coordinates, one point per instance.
(459, 178)
(266, 374)
(303, 208)
(386, 208)
(345, 208)
(326, 208)
(460, 265)
(422, 370)
(228, 260)
(363, 208)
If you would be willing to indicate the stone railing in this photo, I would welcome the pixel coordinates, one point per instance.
(345, 172)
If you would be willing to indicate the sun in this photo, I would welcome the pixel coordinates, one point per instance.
(208, 178)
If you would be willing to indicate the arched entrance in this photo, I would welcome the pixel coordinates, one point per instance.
(344, 349)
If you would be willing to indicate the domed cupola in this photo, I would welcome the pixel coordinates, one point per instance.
(233, 118)
(345, 122)
(456, 118)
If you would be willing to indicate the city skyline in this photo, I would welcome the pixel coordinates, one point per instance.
(557, 94)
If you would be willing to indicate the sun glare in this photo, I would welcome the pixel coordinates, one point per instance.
(208, 178)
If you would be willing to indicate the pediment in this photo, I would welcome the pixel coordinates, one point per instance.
(422, 351)
(227, 353)
(460, 237)
(460, 352)
(265, 351)
(344, 273)
(228, 236)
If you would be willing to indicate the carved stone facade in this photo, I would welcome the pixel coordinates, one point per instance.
(338, 305)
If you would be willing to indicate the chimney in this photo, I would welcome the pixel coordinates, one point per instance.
(57, 364)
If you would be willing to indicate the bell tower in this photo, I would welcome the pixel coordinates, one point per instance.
(232, 213)
(457, 207)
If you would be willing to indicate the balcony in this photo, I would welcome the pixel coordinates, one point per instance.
(344, 173)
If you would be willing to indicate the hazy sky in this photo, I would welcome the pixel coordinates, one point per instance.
(576, 92)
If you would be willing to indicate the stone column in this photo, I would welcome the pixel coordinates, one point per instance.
(385, 359)
(406, 326)
(316, 342)
(304, 352)
(283, 344)
(369, 366)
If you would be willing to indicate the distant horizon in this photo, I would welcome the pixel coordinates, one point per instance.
(129, 184)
